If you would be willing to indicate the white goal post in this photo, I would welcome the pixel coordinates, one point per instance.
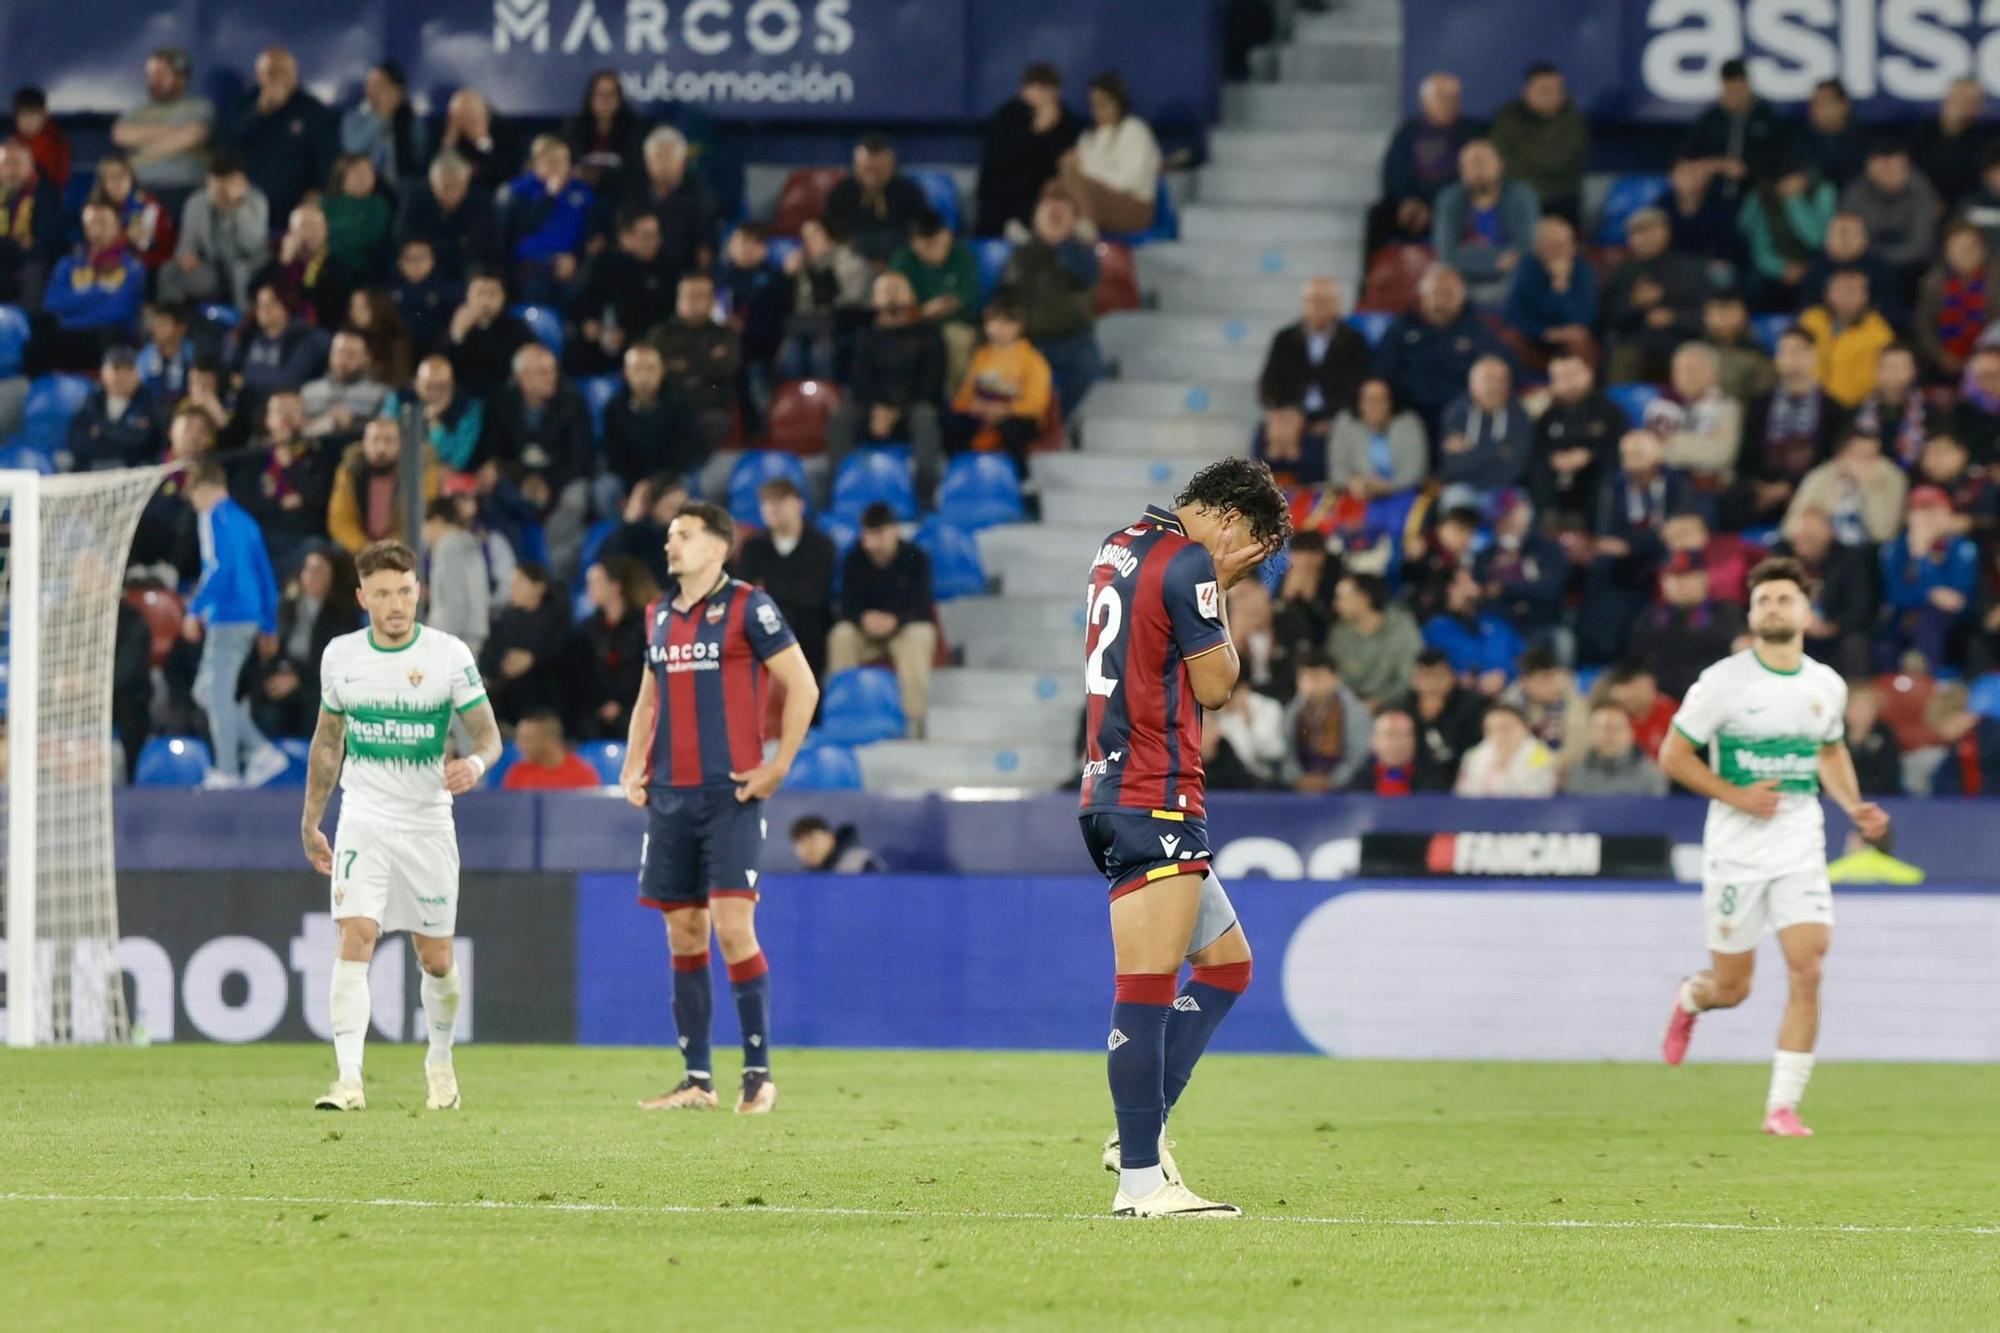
(62, 577)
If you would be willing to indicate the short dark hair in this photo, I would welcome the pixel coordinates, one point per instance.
(753, 230)
(1247, 487)
(1834, 86)
(548, 715)
(175, 311)
(713, 517)
(805, 824)
(927, 223)
(1002, 306)
(223, 162)
(629, 218)
(876, 142)
(1373, 587)
(1464, 516)
(1734, 69)
(1112, 84)
(485, 273)
(780, 488)
(1433, 657)
(1793, 331)
(878, 516)
(534, 571)
(1308, 542)
(1312, 657)
(444, 509)
(1537, 659)
(1777, 569)
(1887, 145)
(1041, 74)
(416, 239)
(30, 98)
(389, 555)
(1537, 68)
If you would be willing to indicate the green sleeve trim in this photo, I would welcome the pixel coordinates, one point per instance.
(1699, 745)
(473, 702)
(326, 707)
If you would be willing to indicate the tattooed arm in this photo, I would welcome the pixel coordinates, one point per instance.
(462, 775)
(329, 745)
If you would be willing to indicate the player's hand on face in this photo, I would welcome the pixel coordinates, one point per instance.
(460, 777)
(318, 850)
(1872, 821)
(758, 782)
(1760, 800)
(1239, 557)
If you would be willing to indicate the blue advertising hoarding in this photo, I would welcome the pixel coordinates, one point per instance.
(1657, 60)
(837, 60)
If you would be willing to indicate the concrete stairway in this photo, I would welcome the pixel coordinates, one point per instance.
(1291, 172)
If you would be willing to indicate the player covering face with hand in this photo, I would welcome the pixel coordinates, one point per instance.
(387, 697)
(1157, 651)
(1771, 723)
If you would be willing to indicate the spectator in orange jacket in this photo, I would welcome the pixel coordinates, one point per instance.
(1005, 399)
(547, 763)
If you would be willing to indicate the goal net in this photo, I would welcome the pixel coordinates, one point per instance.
(62, 573)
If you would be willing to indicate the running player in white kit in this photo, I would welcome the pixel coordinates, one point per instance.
(387, 697)
(1771, 721)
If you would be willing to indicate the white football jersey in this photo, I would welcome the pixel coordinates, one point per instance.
(398, 703)
(1758, 723)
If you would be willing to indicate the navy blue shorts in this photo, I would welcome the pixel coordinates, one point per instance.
(701, 843)
(1132, 848)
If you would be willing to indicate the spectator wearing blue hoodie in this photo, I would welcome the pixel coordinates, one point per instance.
(1929, 576)
(1553, 299)
(233, 613)
(1427, 353)
(547, 215)
(1480, 645)
(95, 294)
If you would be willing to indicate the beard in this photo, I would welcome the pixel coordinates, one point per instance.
(1770, 632)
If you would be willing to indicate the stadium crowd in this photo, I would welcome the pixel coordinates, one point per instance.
(1526, 512)
(269, 294)
(1529, 474)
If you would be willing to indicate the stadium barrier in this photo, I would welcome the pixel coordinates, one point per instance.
(1514, 969)
(1277, 835)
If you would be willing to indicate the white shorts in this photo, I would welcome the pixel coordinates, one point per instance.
(401, 879)
(1739, 911)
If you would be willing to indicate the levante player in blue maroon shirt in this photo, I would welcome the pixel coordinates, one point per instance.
(696, 765)
(1156, 652)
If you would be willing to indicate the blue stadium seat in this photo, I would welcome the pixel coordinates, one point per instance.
(598, 391)
(991, 256)
(844, 535)
(545, 322)
(1371, 324)
(941, 189)
(954, 555)
(172, 761)
(1766, 329)
(1628, 194)
(1984, 698)
(872, 474)
(19, 457)
(860, 706)
(52, 401)
(224, 317)
(824, 768)
(607, 757)
(77, 190)
(756, 467)
(296, 749)
(13, 339)
(980, 490)
(778, 249)
(1633, 399)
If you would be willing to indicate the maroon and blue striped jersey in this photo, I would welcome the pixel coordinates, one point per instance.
(1154, 604)
(709, 682)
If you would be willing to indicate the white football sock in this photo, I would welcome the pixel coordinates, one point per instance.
(1136, 1182)
(1686, 999)
(1789, 1072)
(440, 995)
(348, 1006)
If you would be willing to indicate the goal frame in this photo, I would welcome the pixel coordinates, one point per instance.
(23, 491)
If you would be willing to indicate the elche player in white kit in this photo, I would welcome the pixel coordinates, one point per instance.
(388, 694)
(1771, 723)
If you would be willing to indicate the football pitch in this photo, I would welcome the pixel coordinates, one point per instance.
(194, 1187)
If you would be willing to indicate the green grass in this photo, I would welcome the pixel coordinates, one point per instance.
(192, 1186)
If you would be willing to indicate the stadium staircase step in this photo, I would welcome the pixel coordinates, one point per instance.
(1160, 264)
(930, 766)
(1261, 298)
(1332, 106)
(1008, 689)
(1252, 228)
(1224, 182)
(1187, 437)
(998, 725)
(1151, 474)
(1200, 397)
(1355, 150)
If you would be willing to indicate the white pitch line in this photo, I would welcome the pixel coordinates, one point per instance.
(946, 1215)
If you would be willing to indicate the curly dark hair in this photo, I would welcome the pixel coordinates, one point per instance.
(1246, 487)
